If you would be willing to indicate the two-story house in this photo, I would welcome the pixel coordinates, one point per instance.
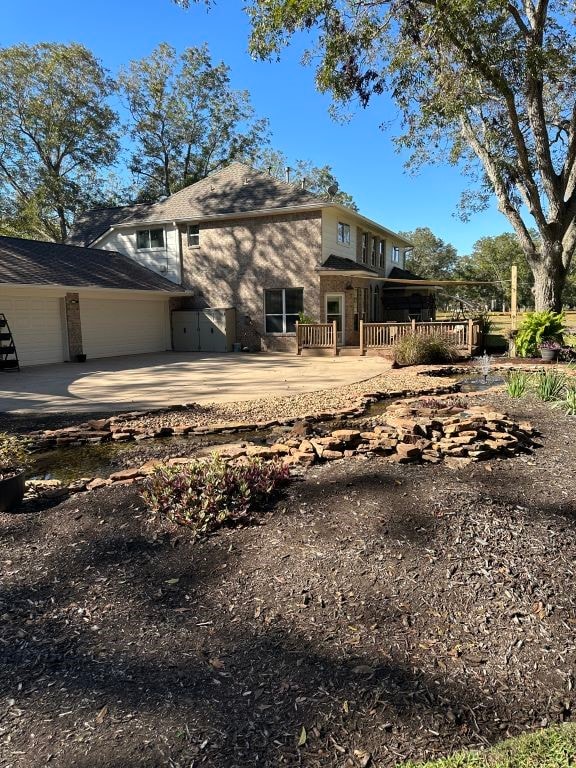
(243, 239)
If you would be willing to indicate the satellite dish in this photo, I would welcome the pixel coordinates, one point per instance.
(332, 189)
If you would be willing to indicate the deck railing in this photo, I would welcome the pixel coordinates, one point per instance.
(316, 336)
(465, 334)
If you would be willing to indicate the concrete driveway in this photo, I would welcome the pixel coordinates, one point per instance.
(149, 381)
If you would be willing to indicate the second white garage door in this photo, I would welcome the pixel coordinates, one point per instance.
(123, 326)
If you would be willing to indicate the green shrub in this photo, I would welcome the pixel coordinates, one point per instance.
(306, 319)
(206, 495)
(420, 349)
(517, 383)
(536, 327)
(550, 385)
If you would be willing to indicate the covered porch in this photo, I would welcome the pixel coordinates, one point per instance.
(360, 310)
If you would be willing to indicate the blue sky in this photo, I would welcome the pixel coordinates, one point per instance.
(362, 156)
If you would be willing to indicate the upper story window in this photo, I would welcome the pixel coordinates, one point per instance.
(365, 247)
(382, 253)
(149, 238)
(396, 254)
(194, 235)
(343, 233)
(373, 251)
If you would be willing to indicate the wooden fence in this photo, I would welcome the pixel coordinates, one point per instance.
(316, 336)
(464, 334)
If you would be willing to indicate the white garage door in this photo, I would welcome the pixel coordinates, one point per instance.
(122, 326)
(37, 327)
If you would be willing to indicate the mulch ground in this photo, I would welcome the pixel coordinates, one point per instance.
(381, 612)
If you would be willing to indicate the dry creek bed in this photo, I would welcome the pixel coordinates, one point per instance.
(382, 611)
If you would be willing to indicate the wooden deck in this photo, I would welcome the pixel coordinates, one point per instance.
(322, 337)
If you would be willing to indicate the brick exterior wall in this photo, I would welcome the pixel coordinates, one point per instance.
(237, 260)
(348, 286)
(73, 325)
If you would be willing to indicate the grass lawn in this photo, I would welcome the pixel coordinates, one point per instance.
(549, 748)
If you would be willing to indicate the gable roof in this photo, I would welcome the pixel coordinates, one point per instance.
(36, 262)
(237, 188)
(91, 224)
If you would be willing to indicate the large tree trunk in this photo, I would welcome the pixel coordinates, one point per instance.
(549, 279)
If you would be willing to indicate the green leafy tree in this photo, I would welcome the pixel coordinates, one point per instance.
(57, 133)
(316, 179)
(431, 257)
(491, 261)
(489, 86)
(187, 121)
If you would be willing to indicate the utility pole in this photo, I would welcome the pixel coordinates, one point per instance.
(513, 309)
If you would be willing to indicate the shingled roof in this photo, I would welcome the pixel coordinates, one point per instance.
(35, 262)
(341, 264)
(238, 188)
(95, 222)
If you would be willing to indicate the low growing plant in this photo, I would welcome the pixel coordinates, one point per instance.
(536, 328)
(517, 383)
(568, 402)
(208, 494)
(305, 319)
(420, 349)
(550, 385)
(14, 456)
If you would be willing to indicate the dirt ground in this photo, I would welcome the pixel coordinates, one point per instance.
(380, 612)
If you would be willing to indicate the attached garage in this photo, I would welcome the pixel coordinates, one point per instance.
(65, 302)
(124, 326)
(37, 324)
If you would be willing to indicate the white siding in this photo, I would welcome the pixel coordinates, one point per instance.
(36, 322)
(164, 261)
(124, 326)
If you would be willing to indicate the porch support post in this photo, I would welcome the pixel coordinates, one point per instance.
(470, 335)
(413, 325)
(334, 338)
(362, 350)
(298, 347)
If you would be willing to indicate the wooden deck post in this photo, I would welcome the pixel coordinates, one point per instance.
(334, 338)
(470, 335)
(413, 325)
(298, 347)
(362, 350)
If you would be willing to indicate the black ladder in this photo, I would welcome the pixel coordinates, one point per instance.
(8, 356)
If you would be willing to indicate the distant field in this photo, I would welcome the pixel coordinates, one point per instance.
(501, 320)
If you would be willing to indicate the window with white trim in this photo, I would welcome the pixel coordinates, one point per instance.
(146, 239)
(396, 254)
(194, 235)
(364, 247)
(343, 233)
(382, 253)
(373, 251)
(281, 309)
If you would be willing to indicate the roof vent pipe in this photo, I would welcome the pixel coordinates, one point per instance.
(288, 172)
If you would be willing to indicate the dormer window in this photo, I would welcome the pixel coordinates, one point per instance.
(395, 254)
(194, 235)
(147, 239)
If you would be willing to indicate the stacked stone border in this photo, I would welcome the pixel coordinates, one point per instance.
(409, 431)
